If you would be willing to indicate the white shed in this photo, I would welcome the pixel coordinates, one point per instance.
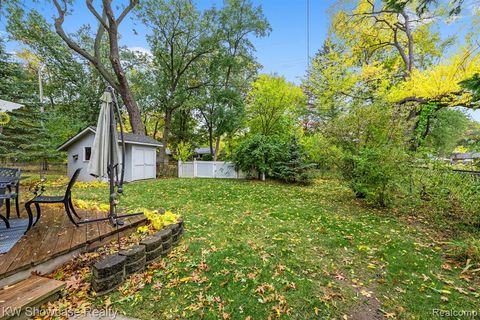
(140, 158)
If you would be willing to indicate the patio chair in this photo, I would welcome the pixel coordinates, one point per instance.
(66, 199)
(3, 191)
(11, 176)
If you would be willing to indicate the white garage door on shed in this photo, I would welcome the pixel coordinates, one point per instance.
(144, 163)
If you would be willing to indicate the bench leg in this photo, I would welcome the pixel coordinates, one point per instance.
(17, 200)
(69, 214)
(70, 203)
(7, 204)
(30, 215)
(6, 221)
(39, 212)
(17, 206)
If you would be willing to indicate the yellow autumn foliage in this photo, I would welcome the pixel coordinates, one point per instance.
(91, 206)
(90, 184)
(441, 82)
(158, 221)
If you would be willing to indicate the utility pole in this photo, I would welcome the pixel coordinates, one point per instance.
(308, 34)
(40, 88)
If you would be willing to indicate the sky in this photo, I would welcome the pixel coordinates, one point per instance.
(283, 52)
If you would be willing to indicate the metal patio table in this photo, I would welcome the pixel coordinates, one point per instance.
(5, 196)
(12, 184)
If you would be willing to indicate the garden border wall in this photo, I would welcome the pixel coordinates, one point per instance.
(111, 271)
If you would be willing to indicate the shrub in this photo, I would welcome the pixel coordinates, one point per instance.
(320, 150)
(374, 154)
(468, 249)
(376, 174)
(294, 167)
(183, 151)
(446, 193)
(258, 153)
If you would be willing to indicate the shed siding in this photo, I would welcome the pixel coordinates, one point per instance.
(77, 148)
(128, 161)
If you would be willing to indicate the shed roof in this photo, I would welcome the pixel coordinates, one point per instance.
(130, 138)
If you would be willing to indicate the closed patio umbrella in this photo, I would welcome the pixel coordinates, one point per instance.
(104, 159)
(9, 106)
(105, 145)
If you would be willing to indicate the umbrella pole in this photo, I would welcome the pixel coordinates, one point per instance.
(111, 166)
(111, 174)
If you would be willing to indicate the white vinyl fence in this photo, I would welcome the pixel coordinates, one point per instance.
(208, 169)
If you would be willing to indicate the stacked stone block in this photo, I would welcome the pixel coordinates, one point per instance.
(177, 231)
(136, 259)
(153, 247)
(109, 273)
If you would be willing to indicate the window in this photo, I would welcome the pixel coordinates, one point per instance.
(87, 152)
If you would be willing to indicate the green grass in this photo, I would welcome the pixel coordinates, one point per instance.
(267, 249)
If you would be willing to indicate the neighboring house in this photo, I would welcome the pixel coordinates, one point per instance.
(465, 157)
(197, 152)
(140, 157)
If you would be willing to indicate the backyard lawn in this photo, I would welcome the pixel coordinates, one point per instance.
(253, 250)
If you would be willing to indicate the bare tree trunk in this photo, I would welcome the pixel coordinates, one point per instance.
(166, 132)
(210, 140)
(217, 148)
(408, 32)
(107, 21)
(123, 86)
(155, 130)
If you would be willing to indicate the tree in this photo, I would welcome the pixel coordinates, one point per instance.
(258, 154)
(273, 105)
(382, 52)
(231, 69)
(328, 83)
(424, 5)
(71, 86)
(15, 83)
(294, 167)
(24, 137)
(112, 71)
(180, 39)
(446, 129)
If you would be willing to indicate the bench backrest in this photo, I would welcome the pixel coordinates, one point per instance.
(10, 172)
(72, 182)
(3, 190)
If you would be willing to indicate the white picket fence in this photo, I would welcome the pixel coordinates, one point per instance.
(208, 169)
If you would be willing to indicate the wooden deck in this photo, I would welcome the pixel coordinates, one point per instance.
(55, 236)
(31, 292)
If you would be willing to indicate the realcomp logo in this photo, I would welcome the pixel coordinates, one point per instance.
(467, 314)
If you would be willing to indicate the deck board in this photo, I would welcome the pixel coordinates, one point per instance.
(54, 235)
(27, 293)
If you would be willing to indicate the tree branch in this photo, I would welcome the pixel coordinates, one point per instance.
(124, 13)
(75, 47)
(100, 18)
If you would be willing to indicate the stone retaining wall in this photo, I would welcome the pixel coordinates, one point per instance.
(110, 272)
